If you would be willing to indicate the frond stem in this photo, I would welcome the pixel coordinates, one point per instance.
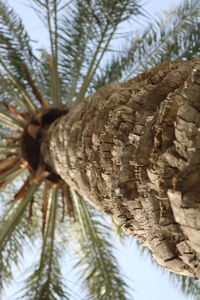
(28, 101)
(86, 80)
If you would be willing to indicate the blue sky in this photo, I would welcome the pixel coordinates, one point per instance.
(148, 282)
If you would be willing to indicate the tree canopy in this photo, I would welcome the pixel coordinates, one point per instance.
(37, 207)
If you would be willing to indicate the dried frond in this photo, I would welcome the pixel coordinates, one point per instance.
(67, 200)
(23, 190)
(14, 111)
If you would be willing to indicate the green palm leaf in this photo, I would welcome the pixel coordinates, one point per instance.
(83, 47)
(13, 232)
(174, 36)
(95, 254)
(16, 52)
(46, 280)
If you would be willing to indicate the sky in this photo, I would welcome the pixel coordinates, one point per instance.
(148, 281)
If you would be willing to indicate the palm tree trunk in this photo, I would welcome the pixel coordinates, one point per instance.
(133, 150)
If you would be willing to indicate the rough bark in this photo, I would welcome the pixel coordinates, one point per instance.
(133, 150)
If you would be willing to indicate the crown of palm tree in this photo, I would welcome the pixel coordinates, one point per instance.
(34, 92)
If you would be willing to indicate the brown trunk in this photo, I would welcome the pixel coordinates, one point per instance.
(133, 150)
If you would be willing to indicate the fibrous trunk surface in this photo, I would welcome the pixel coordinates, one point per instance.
(133, 150)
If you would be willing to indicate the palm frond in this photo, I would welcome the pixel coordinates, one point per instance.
(17, 59)
(188, 286)
(8, 162)
(48, 11)
(119, 233)
(43, 75)
(11, 121)
(97, 262)
(26, 97)
(14, 40)
(82, 48)
(8, 173)
(46, 280)
(174, 36)
(9, 149)
(13, 232)
(13, 216)
(9, 93)
(12, 253)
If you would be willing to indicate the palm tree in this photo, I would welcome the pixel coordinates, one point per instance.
(55, 153)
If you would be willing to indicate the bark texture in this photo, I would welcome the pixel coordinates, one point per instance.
(133, 150)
